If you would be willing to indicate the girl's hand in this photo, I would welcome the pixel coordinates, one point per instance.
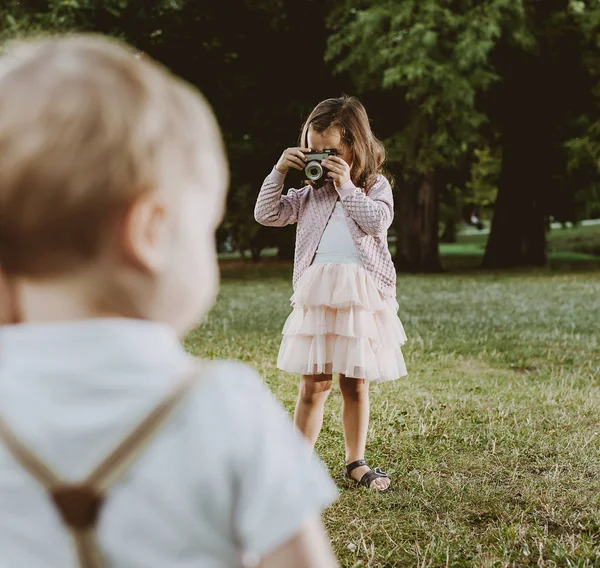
(292, 158)
(339, 170)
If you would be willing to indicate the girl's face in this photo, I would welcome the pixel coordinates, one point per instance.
(330, 139)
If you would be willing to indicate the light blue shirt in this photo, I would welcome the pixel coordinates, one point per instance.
(228, 471)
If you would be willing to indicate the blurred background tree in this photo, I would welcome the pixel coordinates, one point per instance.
(470, 73)
(490, 109)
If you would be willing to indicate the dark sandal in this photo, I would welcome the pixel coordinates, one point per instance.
(367, 478)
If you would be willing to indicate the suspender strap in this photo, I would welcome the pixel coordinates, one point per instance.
(79, 503)
(26, 458)
(109, 470)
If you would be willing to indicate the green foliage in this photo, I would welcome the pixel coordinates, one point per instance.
(585, 150)
(482, 188)
(22, 17)
(436, 54)
(447, 60)
(431, 67)
(231, 60)
(18, 20)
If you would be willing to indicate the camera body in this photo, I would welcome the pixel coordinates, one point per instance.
(313, 170)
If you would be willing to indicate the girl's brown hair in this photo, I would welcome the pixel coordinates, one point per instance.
(350, 116)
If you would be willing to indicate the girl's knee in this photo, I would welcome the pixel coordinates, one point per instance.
(314, 387)
(353, 389)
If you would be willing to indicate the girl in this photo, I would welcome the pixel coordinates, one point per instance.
(344, 304)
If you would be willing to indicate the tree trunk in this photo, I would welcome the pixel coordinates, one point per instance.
(255, 253)
(515, 239)
(417, 227)
(518, 232)
(449, 234)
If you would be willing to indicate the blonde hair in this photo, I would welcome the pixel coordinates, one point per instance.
(350, 117)
(86, 127)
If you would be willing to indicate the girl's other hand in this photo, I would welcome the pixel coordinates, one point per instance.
(339, 170)
(292, 158)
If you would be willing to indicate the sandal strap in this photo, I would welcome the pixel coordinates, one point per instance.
(352, 466)
(370, 476)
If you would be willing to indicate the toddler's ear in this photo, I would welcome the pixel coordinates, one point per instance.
(144, 234)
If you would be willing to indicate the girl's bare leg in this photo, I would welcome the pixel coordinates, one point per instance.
(355, 420)
(308, 416)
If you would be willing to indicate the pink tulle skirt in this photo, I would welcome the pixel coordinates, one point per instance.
(341, 323)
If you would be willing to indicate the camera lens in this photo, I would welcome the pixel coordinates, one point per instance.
(313, 171)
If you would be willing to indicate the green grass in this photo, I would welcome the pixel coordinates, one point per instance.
(492, 441)
(571, 236)
(568, 249)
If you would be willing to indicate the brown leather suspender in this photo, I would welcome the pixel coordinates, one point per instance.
(79, 503)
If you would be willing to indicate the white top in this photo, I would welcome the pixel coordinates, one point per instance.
(227, 468)
(337, 245)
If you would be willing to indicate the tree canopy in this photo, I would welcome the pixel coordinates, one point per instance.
(492, 103)
(473, 72)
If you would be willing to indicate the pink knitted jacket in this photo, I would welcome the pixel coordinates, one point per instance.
(370, 216)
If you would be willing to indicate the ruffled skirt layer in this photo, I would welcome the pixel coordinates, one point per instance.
(341, 323)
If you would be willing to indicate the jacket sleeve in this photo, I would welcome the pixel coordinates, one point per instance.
(273, 209)
(372, 211)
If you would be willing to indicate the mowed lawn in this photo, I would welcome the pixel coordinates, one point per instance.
(492, 441)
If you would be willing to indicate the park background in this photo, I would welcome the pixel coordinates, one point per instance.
(490, 112)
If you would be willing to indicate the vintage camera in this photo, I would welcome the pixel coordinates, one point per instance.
(313, 170)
